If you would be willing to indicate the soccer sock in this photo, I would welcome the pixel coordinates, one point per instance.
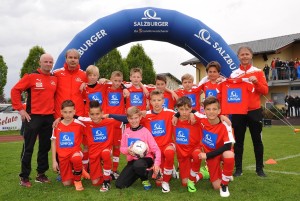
(228, 166)
(106, 164)
(85, 160)
(116, 154)
(168, 164)
(195, 166)
(77, 166)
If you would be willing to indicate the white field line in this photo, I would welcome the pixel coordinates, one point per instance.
(252, 167)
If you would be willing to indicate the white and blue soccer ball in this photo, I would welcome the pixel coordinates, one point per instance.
(139, 148)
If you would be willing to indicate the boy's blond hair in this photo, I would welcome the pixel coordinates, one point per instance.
(91, 69)
(133, 110)
(116, 74)
(136, 70)
(187, 76)
(156, 92)
(211, 100)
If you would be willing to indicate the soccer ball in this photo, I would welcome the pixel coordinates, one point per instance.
(139, 148)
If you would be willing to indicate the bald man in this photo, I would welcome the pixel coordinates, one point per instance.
(38, 117)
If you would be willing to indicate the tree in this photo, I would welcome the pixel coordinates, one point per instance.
(110, 62)
(32, 61)
(3, 78)
(138, 58)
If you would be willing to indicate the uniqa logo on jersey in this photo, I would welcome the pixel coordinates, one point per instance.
(66, 139)
(114, 99)
(99, 134)
(205, 36)
(136, 98)
(234, 95)
(182, 135)
(209, 139)
(158, 128)
(96, 97)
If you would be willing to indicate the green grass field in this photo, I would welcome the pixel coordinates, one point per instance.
(282, 182)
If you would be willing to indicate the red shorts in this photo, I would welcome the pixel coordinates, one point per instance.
(185, 164)
(214, 168)
(95, 161)
(66, 168)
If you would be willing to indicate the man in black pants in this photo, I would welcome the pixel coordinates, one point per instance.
(253, 119)
(38, 117)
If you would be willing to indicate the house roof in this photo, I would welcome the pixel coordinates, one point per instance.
(263, 46)
(172, 76)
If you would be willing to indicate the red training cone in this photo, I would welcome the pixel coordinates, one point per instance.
(271, 162)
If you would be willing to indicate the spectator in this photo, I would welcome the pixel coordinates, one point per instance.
(297, 106)
(266, 71)
(274, 70)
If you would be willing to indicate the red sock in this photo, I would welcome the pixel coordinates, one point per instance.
(116, 155)
(77, 167)
(195, 165)
(168, 164)
(228, 166)
(85, 160)
(106, 164)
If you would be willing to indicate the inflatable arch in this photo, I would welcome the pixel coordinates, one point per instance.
(151, 23)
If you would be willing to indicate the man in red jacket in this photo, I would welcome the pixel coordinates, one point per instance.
(69, 79)
(38, 117)
(253, 118)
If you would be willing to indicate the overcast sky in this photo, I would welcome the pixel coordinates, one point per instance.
(52, 24)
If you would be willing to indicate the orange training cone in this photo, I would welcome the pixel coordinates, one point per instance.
(271, 162)
(296, 130)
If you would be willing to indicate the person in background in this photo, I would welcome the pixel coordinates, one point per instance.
(266, 71)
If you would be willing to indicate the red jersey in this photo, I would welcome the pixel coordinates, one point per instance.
(160, 126)
(100, 135)
(234, 96)
(187, 137)
(93, 92)
(261, 87)
(68, 138)
(137, 98)
(68, 84)
(193, 94)
(215, 136)
(169, 102)
(209, 88)
(40, 89)
(114, 101)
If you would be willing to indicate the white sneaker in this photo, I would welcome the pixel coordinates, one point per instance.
(231, 178)
(175, 174)
(165, 187)
(224, 192)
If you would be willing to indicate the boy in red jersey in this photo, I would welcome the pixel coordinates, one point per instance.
(209, 83)
(137, 96)
(217, 142)
(188, 90)
(188, 147)
(93, 90)
(99, 135)
(66, 141)
(114, 104)
(161, 84)
(137, 167)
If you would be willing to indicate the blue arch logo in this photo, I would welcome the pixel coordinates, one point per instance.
(151, 23)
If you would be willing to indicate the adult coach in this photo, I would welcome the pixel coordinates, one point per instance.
(38, 117)
(253, 119)
(69, 79)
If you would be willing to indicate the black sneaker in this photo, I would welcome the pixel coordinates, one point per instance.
(42, 178)
(238, 173)
(261, 173)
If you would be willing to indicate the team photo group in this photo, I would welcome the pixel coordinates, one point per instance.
(193, 133)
